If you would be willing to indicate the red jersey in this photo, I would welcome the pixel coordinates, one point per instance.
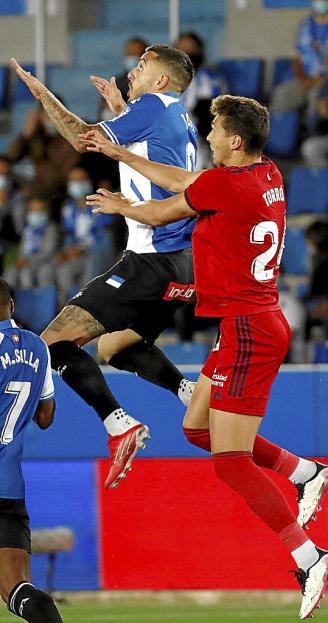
(238, 238)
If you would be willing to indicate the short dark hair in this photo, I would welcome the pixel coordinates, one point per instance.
(5, 293)
(178, 63)
(246, 117)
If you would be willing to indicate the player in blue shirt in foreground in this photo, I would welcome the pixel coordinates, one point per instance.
(134, 301)
(26, 393)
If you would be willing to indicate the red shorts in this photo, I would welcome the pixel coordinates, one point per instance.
(245, 361)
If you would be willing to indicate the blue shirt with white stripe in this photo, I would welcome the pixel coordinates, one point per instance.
(158, 127)
(25, 380)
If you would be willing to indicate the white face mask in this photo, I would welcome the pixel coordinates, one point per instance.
(130, 62)
(37, 219)
(320, 7)
(4, 182)
(79, 188)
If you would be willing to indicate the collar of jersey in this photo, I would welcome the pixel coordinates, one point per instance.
(8, 324)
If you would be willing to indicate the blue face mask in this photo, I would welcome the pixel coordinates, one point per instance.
(79, 188)
(320, 7)
(37, 219)
(130, 62)
(4, 182)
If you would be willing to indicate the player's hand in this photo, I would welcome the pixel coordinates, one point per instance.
(95, 141)
(106, 202)
(36, 87)
(109, 91)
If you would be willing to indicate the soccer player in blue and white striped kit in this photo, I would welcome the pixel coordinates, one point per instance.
(134, 300)
(26, 393)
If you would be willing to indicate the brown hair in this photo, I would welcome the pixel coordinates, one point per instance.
(178, 63)
(245, 117)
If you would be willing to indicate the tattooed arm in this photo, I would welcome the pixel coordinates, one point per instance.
(67, 124)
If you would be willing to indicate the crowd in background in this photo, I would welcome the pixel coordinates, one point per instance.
(49, 238)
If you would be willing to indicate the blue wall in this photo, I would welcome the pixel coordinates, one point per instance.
(63, 493)
(297, 418)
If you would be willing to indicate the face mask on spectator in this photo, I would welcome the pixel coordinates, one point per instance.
(4, 182)
(79, 188)
(37, 219)
(25, 169)
(130, 62)
(320, 7)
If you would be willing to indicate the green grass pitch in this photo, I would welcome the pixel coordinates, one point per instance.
(140, 613)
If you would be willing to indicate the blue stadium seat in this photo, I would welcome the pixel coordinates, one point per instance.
(244, 76)
(98, 48)
(282, 71)
(3, 83)
(18, 115)
(81, 97)
(307, 191)
(186, 352)
(283, 134)
(35, 308)
(295, 258)
(321, 352)
(20, 92)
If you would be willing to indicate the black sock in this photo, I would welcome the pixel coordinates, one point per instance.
(150, 363)
(80, 371)
(33, 605)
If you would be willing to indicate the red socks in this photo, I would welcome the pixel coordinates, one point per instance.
(238, 470)
(265, 453)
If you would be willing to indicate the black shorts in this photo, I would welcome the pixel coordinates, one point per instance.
(140, 292)
(14, 525)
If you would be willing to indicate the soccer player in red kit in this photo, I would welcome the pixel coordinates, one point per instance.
(237, 245)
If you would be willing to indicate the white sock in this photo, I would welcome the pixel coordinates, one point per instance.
(306, 555)
(185, 391)
(119, 422)
(304, 471)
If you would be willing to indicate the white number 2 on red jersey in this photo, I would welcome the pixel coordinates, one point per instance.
(257, 236)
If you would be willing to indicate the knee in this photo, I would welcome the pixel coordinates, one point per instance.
(105, 350)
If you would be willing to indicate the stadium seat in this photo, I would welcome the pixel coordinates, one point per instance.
(18, 115)
(283, 134)
(98, 48)
(20, 92)
(244, 76)
(307, 192)
(295, 259)
(320, 352)
(3, 85)
(81, 98)
(186, 352)
(35, 308)
(282, 71)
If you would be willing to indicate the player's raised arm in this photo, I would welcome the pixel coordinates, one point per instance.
(153, 212)
(172, 178)
(67, 124)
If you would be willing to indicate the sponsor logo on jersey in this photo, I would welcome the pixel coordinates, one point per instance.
(180, 291)
(15, 337)
(218, 380)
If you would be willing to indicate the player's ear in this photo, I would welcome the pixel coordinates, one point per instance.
(162, 81)
(236, 141)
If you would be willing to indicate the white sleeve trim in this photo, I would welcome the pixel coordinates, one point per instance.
(48, 389)
(109, 132)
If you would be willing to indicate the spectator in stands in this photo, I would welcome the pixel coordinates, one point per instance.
(34, 266)
(206, 84)
(86, 248)
(295, 314)
(133, 49)
(8, 230)
(317, 300)
(310, 65)
(315, 148)
(41, 156)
